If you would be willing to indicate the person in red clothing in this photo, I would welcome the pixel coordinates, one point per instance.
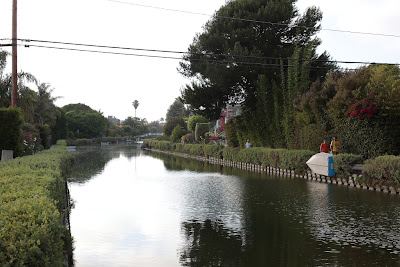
(324, 147)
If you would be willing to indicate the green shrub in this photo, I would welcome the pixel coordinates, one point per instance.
(296, 160)
(62, 142)
(201, 130)
(231, 132)
(45, 135)
(194, 120)
(383, 169)
(250, 155)
(230, 153)
(195, 149)
(272, 157)
(10, 130)
(212, 150)
(177, 133)
(343, 164)
(171, 123)
(33, 203)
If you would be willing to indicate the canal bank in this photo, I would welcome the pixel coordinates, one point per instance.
(353, 179)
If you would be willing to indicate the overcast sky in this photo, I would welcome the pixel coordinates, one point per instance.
(111, 83)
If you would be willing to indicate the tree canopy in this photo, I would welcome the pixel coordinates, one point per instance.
(226, 60)
(83, 121)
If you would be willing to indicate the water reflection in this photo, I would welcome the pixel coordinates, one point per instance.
(91, 160)
(345, 221)
(210, 243)
(146, 209)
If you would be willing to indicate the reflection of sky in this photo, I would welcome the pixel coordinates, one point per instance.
(131, 213)
(122, 217)
(210, 196)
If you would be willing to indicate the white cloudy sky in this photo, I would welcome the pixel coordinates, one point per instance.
(111, 82)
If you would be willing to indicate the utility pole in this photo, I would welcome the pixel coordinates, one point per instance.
(14, 55)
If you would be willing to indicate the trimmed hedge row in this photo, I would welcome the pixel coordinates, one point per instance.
(282, 158)
(278, 158)
(343, 164)
(33, 203)
(383, 170)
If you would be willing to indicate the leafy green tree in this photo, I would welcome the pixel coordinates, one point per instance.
(172, 123)
(3, 62)
(139, 126)
(194, 120)
(364, 110)
(127, 130)
(45, 110)
(155, 127)
(60, 129)
(215, 58)
(176, 110)
(83, 121)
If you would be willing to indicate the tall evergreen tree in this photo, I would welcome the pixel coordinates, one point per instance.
(252, 53)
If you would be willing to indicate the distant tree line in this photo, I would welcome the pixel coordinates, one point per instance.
(44, 123)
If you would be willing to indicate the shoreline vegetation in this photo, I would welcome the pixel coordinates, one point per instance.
(34, 210)
(379, 174)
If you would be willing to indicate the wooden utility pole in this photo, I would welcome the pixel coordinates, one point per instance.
(14, 56)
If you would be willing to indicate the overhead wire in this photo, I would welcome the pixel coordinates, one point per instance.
(256, 21)
(178, 58)
(196, 53)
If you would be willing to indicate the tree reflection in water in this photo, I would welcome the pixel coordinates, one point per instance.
(209, 243)
(91, 160)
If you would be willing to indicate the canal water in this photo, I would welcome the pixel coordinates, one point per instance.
(138, 208)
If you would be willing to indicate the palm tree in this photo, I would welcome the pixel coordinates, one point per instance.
(135, 105)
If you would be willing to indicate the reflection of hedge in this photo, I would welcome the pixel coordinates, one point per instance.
(33, 202)
(382, 170)
(84, 142)
(10, 129)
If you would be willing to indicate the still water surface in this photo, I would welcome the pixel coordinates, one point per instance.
(136, 208)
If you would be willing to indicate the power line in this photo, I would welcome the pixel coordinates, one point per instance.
(234, 63)
(255, 21)
(201, 54)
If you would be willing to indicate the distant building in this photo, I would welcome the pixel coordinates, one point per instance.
(113, 120)
(229, 112)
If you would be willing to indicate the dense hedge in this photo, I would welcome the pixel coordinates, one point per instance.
(383, 170)
(33, 203)
(278, 158)
(287, 159)
(10, 130)
(343, 164)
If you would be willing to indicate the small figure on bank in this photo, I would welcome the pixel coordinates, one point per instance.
(335, 146)
(248, 144)
(324, 147)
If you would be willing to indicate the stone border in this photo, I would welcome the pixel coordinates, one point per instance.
(351, 181)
